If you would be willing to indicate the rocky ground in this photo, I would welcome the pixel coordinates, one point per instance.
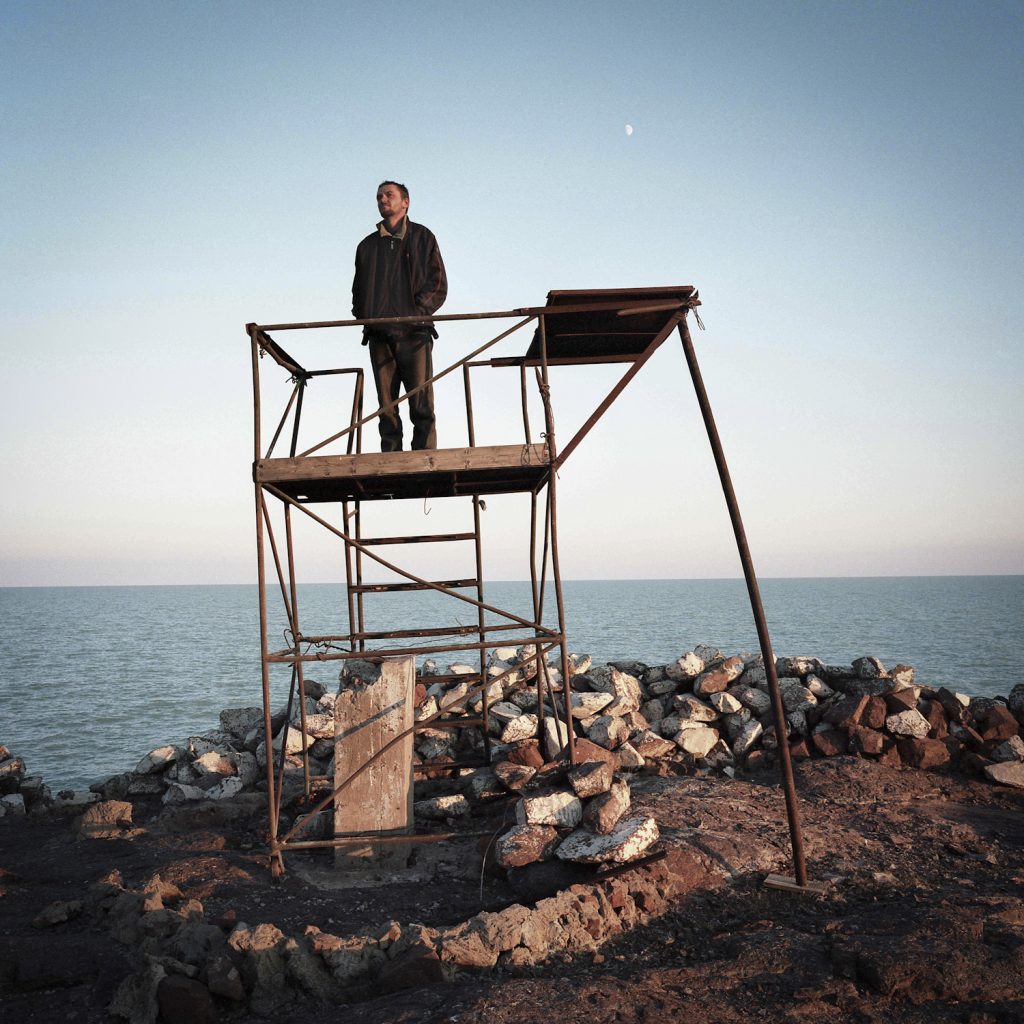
(923, 918)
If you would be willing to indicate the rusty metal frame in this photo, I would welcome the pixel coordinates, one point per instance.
(545, 639)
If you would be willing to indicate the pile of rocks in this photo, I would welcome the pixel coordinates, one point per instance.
(706, 711)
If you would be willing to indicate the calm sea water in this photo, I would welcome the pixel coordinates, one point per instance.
(91, 678)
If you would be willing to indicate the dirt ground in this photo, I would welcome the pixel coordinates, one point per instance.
(923, 919)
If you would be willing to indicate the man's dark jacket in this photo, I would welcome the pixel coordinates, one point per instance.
(398, 277)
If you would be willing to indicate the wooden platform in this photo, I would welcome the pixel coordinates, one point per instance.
(440, 473)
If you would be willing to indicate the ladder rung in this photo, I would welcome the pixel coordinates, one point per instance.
(394, 634)
(393, 588)
(430, 538)
(470, 677)
(451, 723)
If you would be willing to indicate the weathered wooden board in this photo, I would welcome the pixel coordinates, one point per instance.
(374, 705)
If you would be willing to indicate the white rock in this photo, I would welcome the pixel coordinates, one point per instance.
(454, 695)
(320, 726)
(725, 703)
(76, 798)
(556, 736)
(684, 669)
(557, 807)
(648, 743)
(588, 704)
(522, 727)
(426, 710)
(818, 687)
(462, 669)
(689, 708)
(908, 723)
(608, 732)
(629, 840)
(624, 687)
(747, 738)
(292, 738)
(438, 808)
(159, 759)
(1007, 773)
(696, 740)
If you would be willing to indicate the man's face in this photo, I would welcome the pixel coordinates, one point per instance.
(391, 203)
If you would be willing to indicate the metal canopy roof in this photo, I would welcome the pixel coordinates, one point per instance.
(614, 334)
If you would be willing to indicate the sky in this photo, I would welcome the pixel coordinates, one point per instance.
(841, 182)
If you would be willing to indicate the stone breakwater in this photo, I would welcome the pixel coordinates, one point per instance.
(704, 714)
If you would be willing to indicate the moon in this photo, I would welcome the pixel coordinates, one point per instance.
(629, 129)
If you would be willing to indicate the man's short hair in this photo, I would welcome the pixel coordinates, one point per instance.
(401, 188)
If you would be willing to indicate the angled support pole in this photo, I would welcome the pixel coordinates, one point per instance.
(789, 788)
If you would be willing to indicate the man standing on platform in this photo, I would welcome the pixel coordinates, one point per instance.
(399, 272)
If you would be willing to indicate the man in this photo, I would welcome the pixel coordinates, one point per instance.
(399, 272)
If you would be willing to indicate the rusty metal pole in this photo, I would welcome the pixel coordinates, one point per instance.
(276, 862)
(788, 785)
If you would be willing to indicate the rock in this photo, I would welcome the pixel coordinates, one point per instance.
(602, 813)
(439, 808)
(591, 778)
(57, 913)
(550, 807)
(587, 704)
(630, 758)
(845, 713)
(689, 708)
(185, 1001)
(522, 727)
(798, 666)
(902, 676)
(1006, 773)
(223, 979)
(830, 742)
(1015, 702)
(13, 804)
(868, 742)
(136, 997)
(898, 701)
(608, 732)
(415, 967)
(587, 751)
(796, 696)
(818, 686)
(922, 753)
(628, 841)
(684, 669)
(759, 702)
(869, 668)
(528, 753)
(525, 844)
(908, 723)
(747, 738)
(724, 703)
(696, 740)
(954, 704)
(708, 654)
(158, 759)
(625, 688)
(514, 776)
(875, 713)
(1009, 750)
(718, 678)
(556, 736)
(936, 716)
(105, 820)
(649, 744)
(998, 723)
(754, 674)
(241, 721)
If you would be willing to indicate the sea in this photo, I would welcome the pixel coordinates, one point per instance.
(92, 678)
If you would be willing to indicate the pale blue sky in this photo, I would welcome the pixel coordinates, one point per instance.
(842, 182)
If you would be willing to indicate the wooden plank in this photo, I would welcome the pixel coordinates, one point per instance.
(787, 884)
(387, 464)
(374, 706)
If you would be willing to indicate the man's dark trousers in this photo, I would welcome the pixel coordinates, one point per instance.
(397, 361)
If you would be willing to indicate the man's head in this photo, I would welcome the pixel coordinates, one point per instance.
(392, 201)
